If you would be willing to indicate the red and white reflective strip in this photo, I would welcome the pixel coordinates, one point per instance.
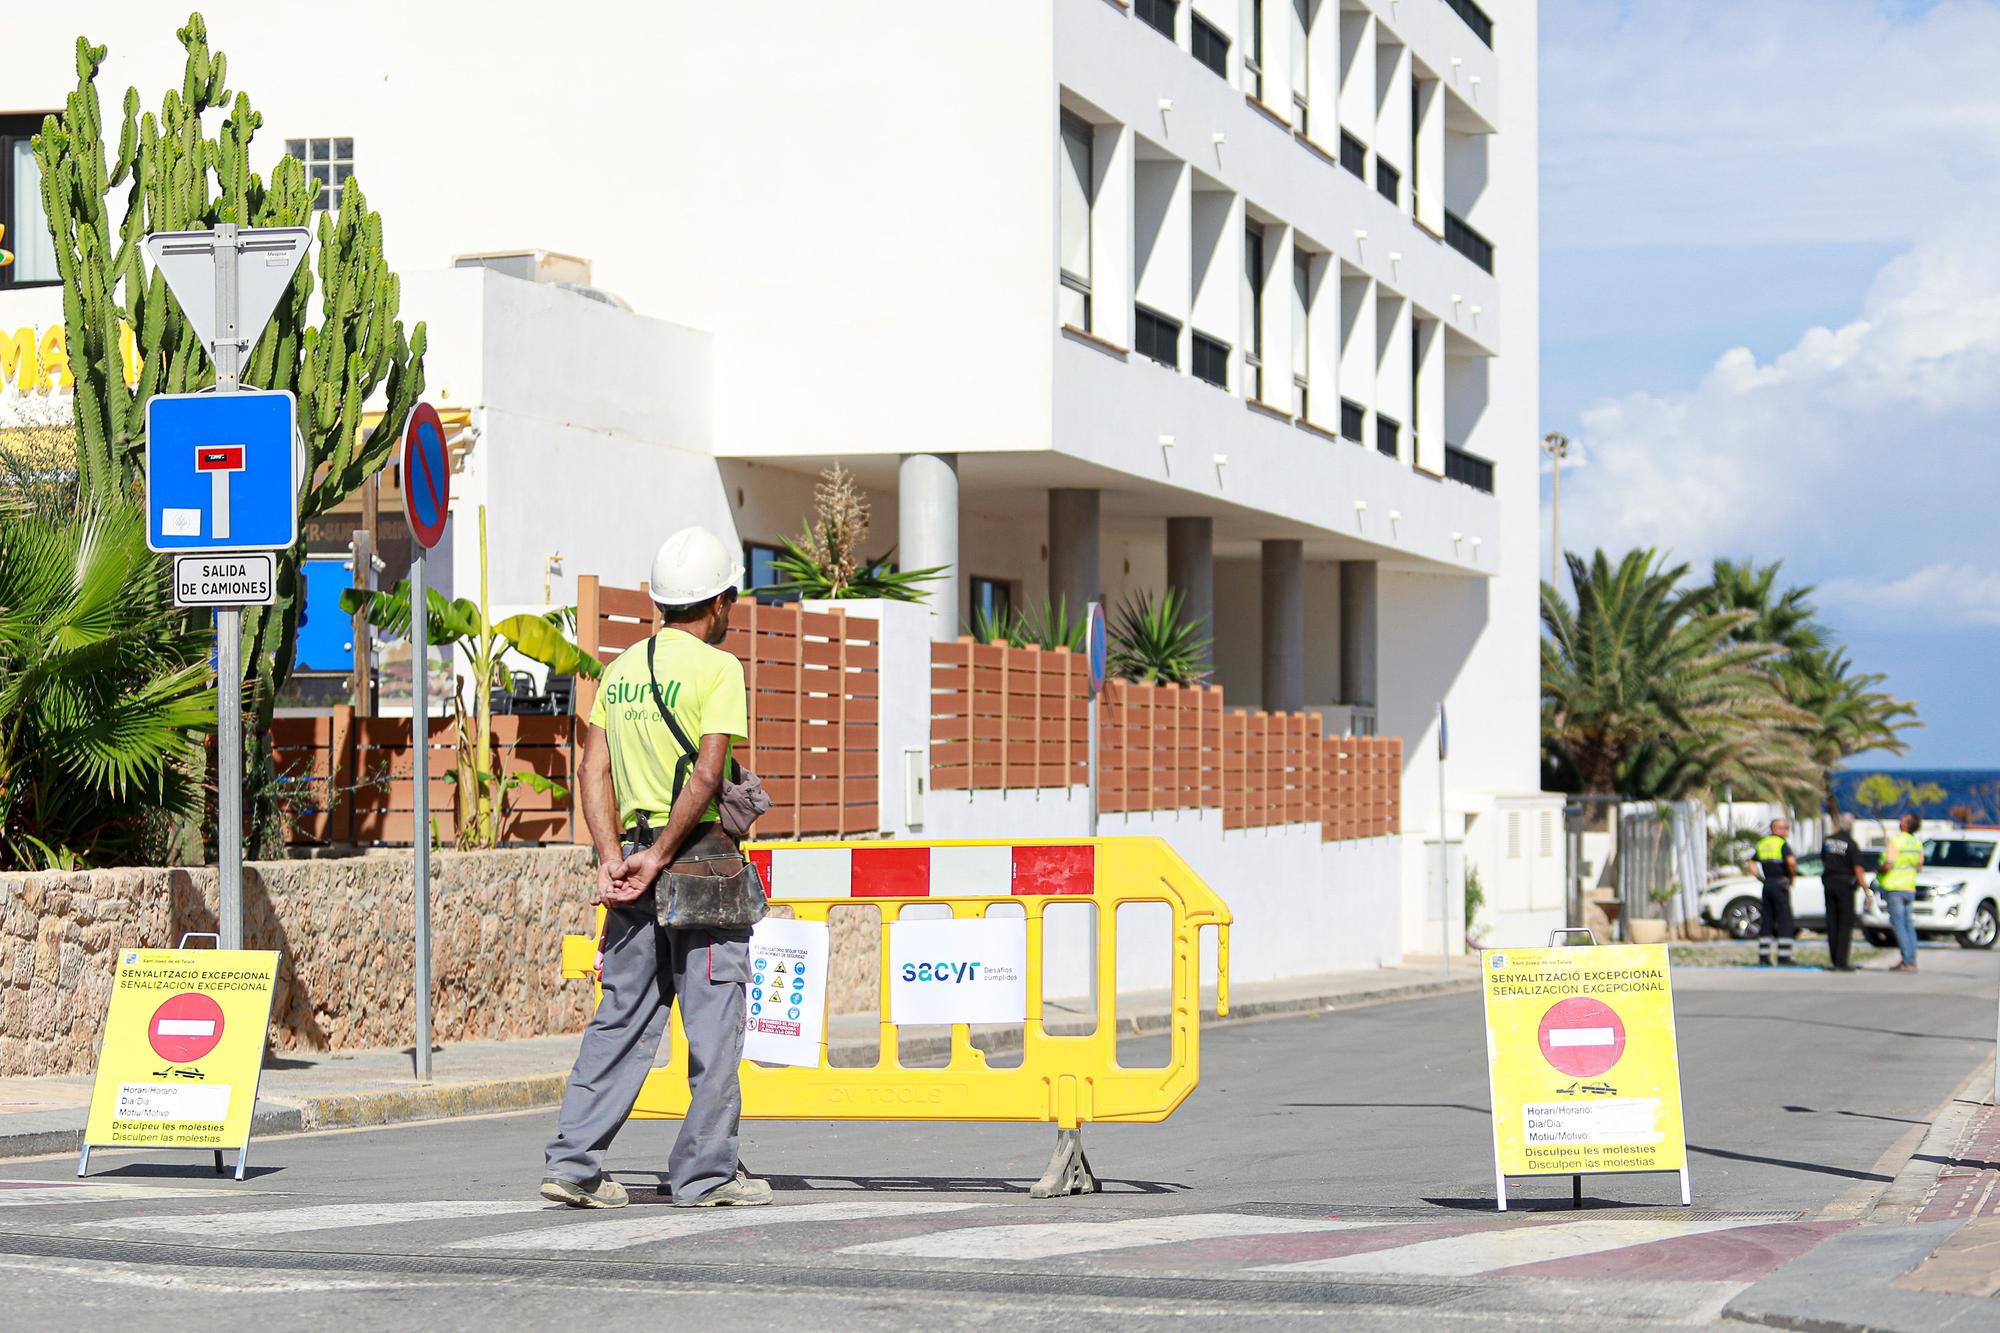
(890, 871)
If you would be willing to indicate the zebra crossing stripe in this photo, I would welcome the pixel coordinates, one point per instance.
(599, 1231)
(1484, 1251)
(1048, 1240)
(14, 1194)
(324, 1217)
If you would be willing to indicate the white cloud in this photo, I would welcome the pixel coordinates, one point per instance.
(1699, 122)
(1866, 456)
(1949, 589)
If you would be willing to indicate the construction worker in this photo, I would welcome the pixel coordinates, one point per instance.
(1902, 858)
(628, 787)
(1774, 864)
(1841, 873)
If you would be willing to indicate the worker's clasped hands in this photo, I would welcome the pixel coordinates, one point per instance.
(622, 881)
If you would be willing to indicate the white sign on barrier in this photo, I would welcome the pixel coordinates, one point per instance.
(958, 971)
(784, 1022)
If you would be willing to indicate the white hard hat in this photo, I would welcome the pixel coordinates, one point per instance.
(694, 565)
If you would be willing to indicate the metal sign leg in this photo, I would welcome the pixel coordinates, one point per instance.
(1687, 1190)
(242, 1156)
(219, 1168)
(1576, 1191)
(83, 1160)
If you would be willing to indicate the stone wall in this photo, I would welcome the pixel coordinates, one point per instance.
(343, 930)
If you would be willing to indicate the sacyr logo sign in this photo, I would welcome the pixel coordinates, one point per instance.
(956, 973)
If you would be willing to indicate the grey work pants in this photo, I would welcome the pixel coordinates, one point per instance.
(645, 968)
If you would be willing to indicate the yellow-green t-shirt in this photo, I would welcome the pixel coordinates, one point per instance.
(704, 688)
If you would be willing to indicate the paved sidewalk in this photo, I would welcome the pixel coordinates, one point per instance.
(1926, 1256)
(343, 1089)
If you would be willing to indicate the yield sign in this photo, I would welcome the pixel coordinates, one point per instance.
(266, 259)
(185, 1028)
(1582, 1037)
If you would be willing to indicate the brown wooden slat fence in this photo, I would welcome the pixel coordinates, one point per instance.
(350, 781)
(1004, 717)
(815, 698)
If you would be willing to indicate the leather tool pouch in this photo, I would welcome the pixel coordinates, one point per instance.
(709, 896)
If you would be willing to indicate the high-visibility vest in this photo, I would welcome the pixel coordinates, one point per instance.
(1771, 857)
(1899, 862)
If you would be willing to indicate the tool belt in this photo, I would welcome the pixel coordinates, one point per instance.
(718, 890)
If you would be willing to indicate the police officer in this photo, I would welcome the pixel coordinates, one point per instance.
(1902, 858)
(1841, 874)
(1777, 867)
(628, 782)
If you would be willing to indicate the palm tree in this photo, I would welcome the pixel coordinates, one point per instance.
(1647, 690)
(1785, 620)
(106, 690)
(1850, 715)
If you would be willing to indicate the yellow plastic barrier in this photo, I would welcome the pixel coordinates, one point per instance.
(1064, 1080)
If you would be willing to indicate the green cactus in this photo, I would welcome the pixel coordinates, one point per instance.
(169, 174)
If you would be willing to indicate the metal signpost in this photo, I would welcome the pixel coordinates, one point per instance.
(223, 476)
(427, 501)
(1096, 651)
(1444, 855)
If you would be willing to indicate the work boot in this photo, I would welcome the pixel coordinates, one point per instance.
(739, 1193)
(603, 1192)
(742, 1174)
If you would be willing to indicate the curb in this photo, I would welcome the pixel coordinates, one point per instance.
(440, 1101)
(1902, 1197)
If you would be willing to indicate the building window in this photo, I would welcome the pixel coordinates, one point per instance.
(1416, 377)
(1301, 65)
(1253, 311)
(992, 599)
(1462, 238)
(1353, 155)
(328, 161)
(1253, 56)
(1211, 48)
(1211, 360)
(1158, 15)
(1388, 181)
(24, 225)
(1078, 177)
(1416, 141)
(1386, 430)
(1470, 469)
(1475, 19)
(1352, 415)
(1301, 334)
(1157, 337)
(760, 571)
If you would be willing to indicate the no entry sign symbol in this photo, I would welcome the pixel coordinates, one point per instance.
(185, 1028)
(1582, 1037)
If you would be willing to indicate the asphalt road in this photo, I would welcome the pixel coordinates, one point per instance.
(1334, 1166)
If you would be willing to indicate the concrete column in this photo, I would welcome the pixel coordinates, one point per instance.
(1284, 625)
(1357, 632)
(1191, 568)
(1073, 573)
(927, 532)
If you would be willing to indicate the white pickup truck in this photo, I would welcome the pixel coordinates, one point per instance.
(1958, 892)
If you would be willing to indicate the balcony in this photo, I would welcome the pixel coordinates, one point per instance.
(1469, 469)
(1475, 19)
(1468, 242)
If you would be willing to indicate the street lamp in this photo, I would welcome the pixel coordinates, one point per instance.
(1556, 445)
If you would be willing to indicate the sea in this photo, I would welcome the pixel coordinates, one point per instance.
(1977, 789)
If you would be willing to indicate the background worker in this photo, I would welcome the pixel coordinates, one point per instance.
(1841, 873)
(1902, 858)
(1777, 867)
(628, 784)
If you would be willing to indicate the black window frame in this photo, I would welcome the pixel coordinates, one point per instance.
(1253, 273)
(1253, 55)
(1209, 45)
(1460, 236)
(13, 129)
(1468, 469)
(1353, 420)
(1210, 360)
(1159, 15)
(1067, 123)
(1388, 182)
(751, 550)
(1388, 432)
(1353, 156)
(1475, 18)
(1150, 331)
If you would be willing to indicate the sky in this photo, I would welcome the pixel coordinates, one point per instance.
(1771, 314)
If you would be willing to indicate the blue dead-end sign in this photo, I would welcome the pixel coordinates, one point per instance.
(426, 475)
(222, 471)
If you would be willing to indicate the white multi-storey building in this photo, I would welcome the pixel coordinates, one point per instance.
(1236, 296)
